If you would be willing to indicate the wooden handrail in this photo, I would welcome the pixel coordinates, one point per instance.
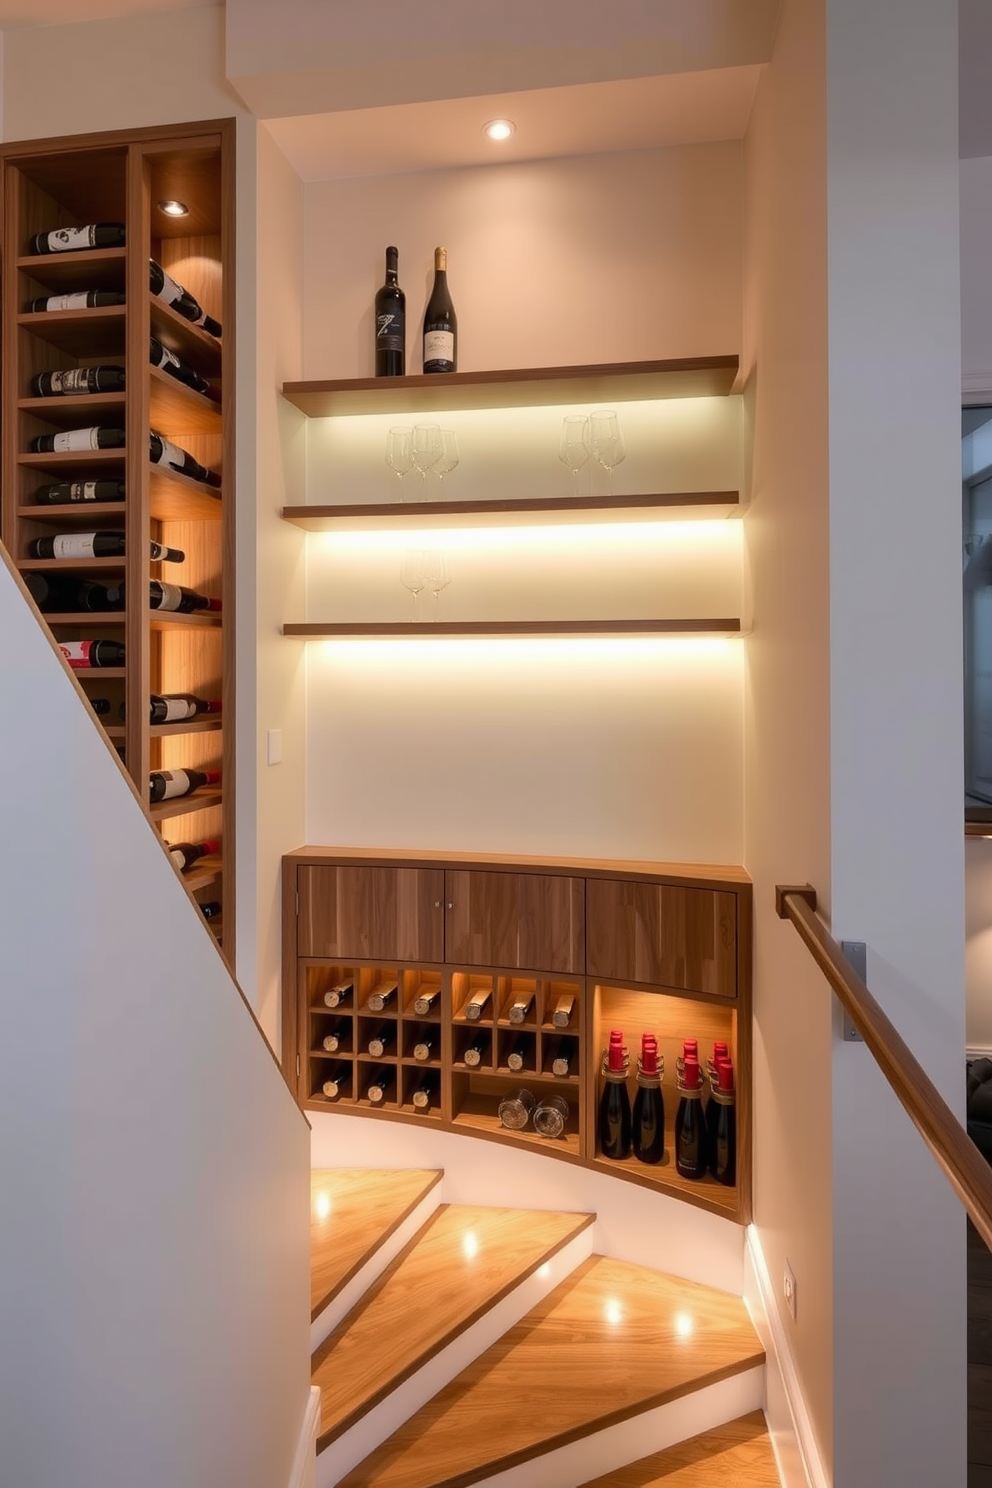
(966, 1170)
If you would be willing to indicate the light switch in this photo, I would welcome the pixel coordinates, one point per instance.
(273, 746)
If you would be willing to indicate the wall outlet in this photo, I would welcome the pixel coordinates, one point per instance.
(789, 1290)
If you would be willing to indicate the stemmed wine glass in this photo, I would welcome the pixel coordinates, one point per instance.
(572, 449)
(399, 454)
(426, 450)
(412, 576)
(448, 458)
(604, 441)
(436, 575)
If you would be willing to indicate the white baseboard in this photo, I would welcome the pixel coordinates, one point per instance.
(304, 1470)
(978, 1051)
(796, 1452)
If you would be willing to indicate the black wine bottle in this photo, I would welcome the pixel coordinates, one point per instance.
(61, 593)
(440, 325)
(107, 378)
(161, 356)
(337, 1082)
(185, 854)
(565, 1058)
(74, 545)
(340, 994)
(166, 785)
(690, 1130)
(648, 1121)
(520, 1052)
(78, 441)
(211, 910)
(427, 998)
(100, 706)
(722, 1129)
(477, 1001)
(383, 1040)
(81, 655)
(428, 1045)
(390, 322)
(161, 452)
(338, 1038)
(78, 239)
(166, 289)
(381, 996)
(381, 1084)
(176, 707)
(79, 299)
(425, 1093)
(476, 1051)
(174, 597)
(63, 493)
(520, 1007)
(614, 1103)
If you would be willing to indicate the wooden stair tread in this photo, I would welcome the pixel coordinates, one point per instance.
(464, 1261)
(612, 1340)
(738, 1453)
(352, 1211)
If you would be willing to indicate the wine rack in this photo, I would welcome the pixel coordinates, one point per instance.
(644, 948)
(123, 178)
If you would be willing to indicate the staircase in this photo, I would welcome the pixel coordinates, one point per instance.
(456, 1344)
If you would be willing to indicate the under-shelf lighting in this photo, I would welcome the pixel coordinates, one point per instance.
(173, 208)
(499, 129)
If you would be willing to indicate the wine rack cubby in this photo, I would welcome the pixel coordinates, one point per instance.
(637, 947)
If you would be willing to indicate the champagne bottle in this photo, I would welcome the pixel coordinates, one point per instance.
(78, 239)
(477, 1050)
(614, 1103)
(166, 785)
(561, 1017)
(520, 1007)
(381, 1084)
(722, 1129)
(161, 356)
(76, 380)
(166, 289)
(476, 1003)
(564, 1060)
(383, 1041)
(340, 994)
(426, 1093)
(426, 1000)
(74, 545)
(337, 1082)
(648, 1123)
(520, 1052)
(381, 996)
(174, 597)
(338, 1037)
(720, 1052)
(78, 441)
(80, 299)
(81, 655)
(185, 854)
(176, 707)
(61, 593)
(390, 322)
(63, 493)
(440, 325)
(428, 1045)
(161, 452)
(690, 1131)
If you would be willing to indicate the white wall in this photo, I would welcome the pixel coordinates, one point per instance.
(154, 1169)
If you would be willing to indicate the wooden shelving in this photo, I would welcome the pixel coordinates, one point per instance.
(313, 630)
(561, 509)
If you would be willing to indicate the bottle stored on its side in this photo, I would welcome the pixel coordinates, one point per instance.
(82, 655)
(185, 854)
(339, 995)
(648, 1126)
(427, 998)
(562, 1015)
(61, 593)
(520, 1007)
(71, 381)
(476, 1050)
(63, 493)
(79, 299)
(74, 545)
(428, 1045)
(440, 323)
(614, 1103)
(161, 356)
(520, 1052)
(176, 707)
(338, 1038)
(170, 292)
(78, 239)
(211, 910)
(690, 1129)
(78, 441)
(383, 1041)
(381, 996)
(100, 706)
(382, 1083)
(565, 1058)
(722, 1128)
(166, 785)
(175, 597)
(338, 1082)
(476, 1003)
(390, 322)
(425, 1093)
(162, 452)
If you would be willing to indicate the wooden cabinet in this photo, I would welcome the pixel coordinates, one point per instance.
(123, 178)
(515, 919)
(664, 934)
(362, 913)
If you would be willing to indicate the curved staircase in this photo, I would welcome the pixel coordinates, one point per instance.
(459, 1344)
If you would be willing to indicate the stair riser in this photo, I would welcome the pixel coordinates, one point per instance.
(353, 1290)
(340, 1456)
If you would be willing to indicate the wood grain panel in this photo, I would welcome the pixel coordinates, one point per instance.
(664, 934)
(352, 1212)
(739, 1454)
(529, 920)
(611, 1341)
(364, 913)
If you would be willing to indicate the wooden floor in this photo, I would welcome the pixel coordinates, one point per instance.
(351, 1212)
(610, 1341)
(737, 1455)
(463, 1262)
(979, 1362)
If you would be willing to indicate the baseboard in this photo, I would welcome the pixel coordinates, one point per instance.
(304, 1470)
(978, 1051)
(789, 1426)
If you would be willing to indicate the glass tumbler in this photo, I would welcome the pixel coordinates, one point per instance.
(515, 1109)
(551, 1116)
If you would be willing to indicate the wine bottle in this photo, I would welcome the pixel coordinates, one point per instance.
(380, 1085)
(76, 380)
(161, 452)
(390, 322)
(74, 545)
(381, 996)
(176, 707)
(475, 1004)
(520, 1007)
(383, 1040)
(185, 854)
(720, 1052)
(476, 1051)
(426, 1000)
(614, 1103)
(55, 593)
(339, 994)
(648, 1122)
(338, 1037)
(161, 356)
(562, 1015)
(428, 1046)
(520, 1052)
(690, 1131)
(722, 1129)
(166, 289)
(174, 597)
(62, 493)
(426, 1093)
(78, 239)
(100, 706)
(564, 1059)
(80, 299)
(77, 441)
(81, 655)
(211, 910)
(337, 1082)
(440, 325)
(166, 785)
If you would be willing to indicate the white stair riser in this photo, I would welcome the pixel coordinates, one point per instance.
(382, 1420)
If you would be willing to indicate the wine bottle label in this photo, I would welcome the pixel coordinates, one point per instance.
(73, 545)
(170, 291)
(76, 301)
(76, 380)
(77, 654)
(176, 783)
(171, 596)
(171, 455)
(439, 346)
(71, 440)
(70, 239)
(176, 709)
(389, 333)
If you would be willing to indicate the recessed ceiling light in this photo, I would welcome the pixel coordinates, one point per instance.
(174, 208)
(499, 129)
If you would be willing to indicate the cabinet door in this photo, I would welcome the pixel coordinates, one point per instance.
(532, 920)
(663, 934)
(369, 914)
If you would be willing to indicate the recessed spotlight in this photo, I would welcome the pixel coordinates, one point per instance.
(499, 129)
(174, 208)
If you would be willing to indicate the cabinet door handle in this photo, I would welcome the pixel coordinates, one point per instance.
(437, 904)
(451, 904)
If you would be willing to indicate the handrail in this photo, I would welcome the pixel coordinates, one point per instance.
(963, 1165)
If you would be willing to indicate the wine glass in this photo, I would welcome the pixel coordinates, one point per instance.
(426, 450)
(572, 449)
(399, 453)
(412, 576)
(436, 575)
(448, 458)
(604, 441)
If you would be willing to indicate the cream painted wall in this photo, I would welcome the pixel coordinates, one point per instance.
(976, 299)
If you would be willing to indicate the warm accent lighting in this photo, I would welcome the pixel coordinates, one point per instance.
(322, 1205)
(174, 208)
(544, 1271)
(684, 1326)
(470, 1245)
(499, 129)
(613, 1313)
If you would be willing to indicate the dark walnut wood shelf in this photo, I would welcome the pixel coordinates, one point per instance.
(314, 630)
(565, 509)
(531, 387)
(91, 333)
(63, 273)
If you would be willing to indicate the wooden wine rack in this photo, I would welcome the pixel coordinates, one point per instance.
(643, 947)
(115, 177)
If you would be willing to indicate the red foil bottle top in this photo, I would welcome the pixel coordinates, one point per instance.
(649, 1054)
(720, 1051)
(690, 1072)
(213, 777)
(690, 1049)
(725, 1075)
(616, 1057)
(211, 845)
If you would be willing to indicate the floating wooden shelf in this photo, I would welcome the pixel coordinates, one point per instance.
(73, 459)
(184, 339)
(312, 630)
(174, 405)
(531, 387)
(74, 411)
(564, 509)
(200, 800)
(97, 268)
(91, 333)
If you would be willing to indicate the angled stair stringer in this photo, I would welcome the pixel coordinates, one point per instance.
(739, 1454)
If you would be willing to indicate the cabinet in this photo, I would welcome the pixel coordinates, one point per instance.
(510, 974)
(71, 182)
